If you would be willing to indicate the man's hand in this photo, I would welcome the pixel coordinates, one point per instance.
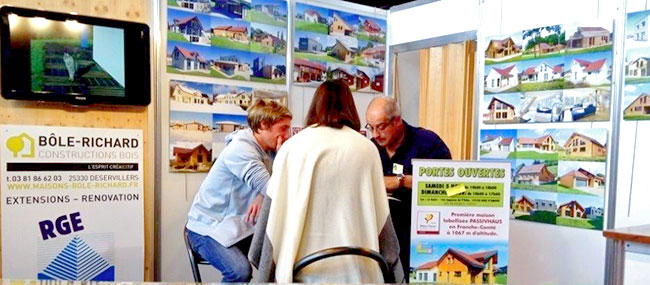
(408, 180)
(391, 183)
(254, 209)
(278, 143)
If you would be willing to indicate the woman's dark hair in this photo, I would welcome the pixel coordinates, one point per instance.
(333, 106)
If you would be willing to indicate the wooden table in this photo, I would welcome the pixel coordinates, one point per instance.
(630, 239)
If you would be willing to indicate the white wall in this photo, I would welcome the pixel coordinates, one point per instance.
(408, 66)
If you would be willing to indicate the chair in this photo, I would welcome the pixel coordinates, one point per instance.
(195, 258)
(389, 277)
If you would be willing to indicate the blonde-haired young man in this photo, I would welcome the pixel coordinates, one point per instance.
(220, 221)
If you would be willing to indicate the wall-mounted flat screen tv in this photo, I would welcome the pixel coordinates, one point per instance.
(77, 59)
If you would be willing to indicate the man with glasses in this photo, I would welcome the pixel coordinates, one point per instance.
(398, 143)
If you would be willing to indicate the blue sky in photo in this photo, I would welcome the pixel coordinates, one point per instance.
(513, 99)
(584, 200)
(534, 195)
(589, 57)
(240, 119)
(632, 18)
(562, 135)
(632, 54)
(469, 247)
(180, 14)
(205, 88)
(271, 59)
(516, 37)
(218, 21)
(282, 5)
(244, 56)
(532, 133)
(186, 117)
(301, 8)
(595, 168)
(495, 133)
(523, 65)
(321, 38)
(380, 22)
(351, 19)
(221, 89)
(633, 91)
(273, 30)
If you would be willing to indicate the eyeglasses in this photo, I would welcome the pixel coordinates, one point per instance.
(379, 127)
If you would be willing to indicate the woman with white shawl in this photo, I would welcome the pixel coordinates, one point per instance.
(326, 190)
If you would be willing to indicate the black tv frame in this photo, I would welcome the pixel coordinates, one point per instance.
(15, 68)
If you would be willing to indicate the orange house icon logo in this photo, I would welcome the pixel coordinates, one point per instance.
(21, 144)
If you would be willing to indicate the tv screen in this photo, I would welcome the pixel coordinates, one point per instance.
(82, 60)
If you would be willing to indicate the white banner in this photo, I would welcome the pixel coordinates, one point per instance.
(459, 222)
(72, 203)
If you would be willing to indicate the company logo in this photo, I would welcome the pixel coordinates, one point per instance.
(21, 144)
(428, 223)
(78, 261)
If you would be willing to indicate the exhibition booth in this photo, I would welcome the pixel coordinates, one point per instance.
(113, 113)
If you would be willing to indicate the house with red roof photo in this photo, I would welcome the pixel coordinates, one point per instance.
(458, 267)
(588, 72)
(500, 79)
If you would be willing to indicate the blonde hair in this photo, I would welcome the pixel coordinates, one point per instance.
(266, 111)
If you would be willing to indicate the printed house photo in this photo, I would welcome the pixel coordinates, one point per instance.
(501, 49)
(577, 177)
(80, 61)
(312, 19)
(348, 73)
(309, 72)
(209, 97)
(268, 12)
(636, 102)
(184, 58)
(536, 144)
(190, 134)
(580, 211)
(190, 27)
(279, 96)
(367, 80)
(544, 42)
(588, 70)
(268, 68)
(534, 206)
(234, 9)
(453, 262)
(582, 145)
(372, 30)
(222, 125)
(538, 175)
(636, 30)
(318, 47)
(371, 54)
(498, 144)
(230, 34)
(589, 37)
(268, 39)
(525, 76)
(502, 108)
(199, 6)
(636, 66)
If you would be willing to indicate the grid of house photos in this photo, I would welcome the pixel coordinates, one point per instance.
(331, 44)
(559, 73)
(202, 115)
(636, 100)
(558, 175)
(230, 39)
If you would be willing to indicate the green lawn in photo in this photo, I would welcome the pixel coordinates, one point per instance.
(551, 187)
(172, 3)
(171, 69)
(530, 154)
(484, 152)
(633, 80)
(501, 278)
(606, 47)
(37, 65)
(312, 27)
(363, 37)
(228, 43)
(576, 223)
(271, 81)
(540, 86)
(563, 156)
(177, 37)
(219, 74)
(513, 59)
(636, 117)
(359, 61)
(571, 85)
(260, 48)
(317, 57)
(531, 56)
(566, 190)
(545, 217)
(262, 18)
(552, 169)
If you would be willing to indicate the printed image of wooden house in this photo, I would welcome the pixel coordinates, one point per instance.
(188, 95)
(340, 73)
(584, 146)
(499, 110)
(497, 143)
(340, 27)
(524, 205)
(572, 209)
(427, 272)
(195, 158)
(363, 80)
(586, 37)
(639, 107)
(309, 45)
(637, 67)
(272, 41)
(308, 71)
(378, 83)
(371, 28)
(543, 143)
(640, 29)
(191, 29)
(186, 60)
(242, 99)
(191, 126)
(581, 178)
(232, 8)
(457, 267)
(231, 66)
(227, 126)
(542, 72)
(202, 6)
(589, 72)
(342, 51)
(534, 174)
(594, 212)
(502, 48)
(545, 205)
(374, 56)
(312, 16)
(502, 78)
(234, 33)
